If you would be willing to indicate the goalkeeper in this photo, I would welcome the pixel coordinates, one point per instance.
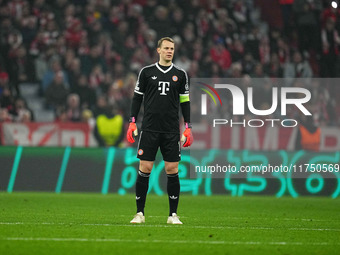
(164, 88)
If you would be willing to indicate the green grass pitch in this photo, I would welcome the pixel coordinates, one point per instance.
(68, 223)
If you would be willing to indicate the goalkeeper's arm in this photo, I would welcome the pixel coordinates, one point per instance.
(187, 137)
(135, 107)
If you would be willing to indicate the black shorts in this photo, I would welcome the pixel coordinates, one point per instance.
(169, 143)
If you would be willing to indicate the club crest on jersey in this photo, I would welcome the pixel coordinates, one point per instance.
(174, 78)
(140, 152)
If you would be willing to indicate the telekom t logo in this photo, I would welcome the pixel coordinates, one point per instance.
(163, 86)
(238, 99)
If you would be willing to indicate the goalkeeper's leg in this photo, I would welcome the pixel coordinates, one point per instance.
(173, 188)
(142, 186)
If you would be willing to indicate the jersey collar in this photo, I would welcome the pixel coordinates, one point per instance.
(164, 71)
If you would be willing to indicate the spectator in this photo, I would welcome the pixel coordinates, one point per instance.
(307, 13)
(68, 57)
(24, 116)
(273, 68)
(215, 71)
(138, 60)
(236, 70)
(95, 31)
(61, 116)
(299, 68)
(96, 78)
(150, 39)
(28, 26)
(203, 21)
(264, 50)
(75, 33)
(109, 128)
(88, 62)
(114, 18)
(86, 94)
(183, 62)
(258, 71)
(21, 68)
(194, 70)
(118, 71)
(4, 81)
(38, 44)
(55, 68)
(59, 9)
(161, 23)
(87, 117)
(197, 51)
(6, 99)
(73, 110)
(253, 43)
(41, 64)
(21, 112)
(329, 12)
(286, 11)
(282, 51)
(101, 106)
(177, 19)
(325, 107)
(224, 22)
(149, 10)
(119, 36)
(74, 73)
(308, 137)
(134, 17)
(4, 115)
(330, 49)
(237, 51)
(248, 63)
(220, 55)
(188, 34)
(56, 93)
(51, 31)
(240, 12)
(115, 96)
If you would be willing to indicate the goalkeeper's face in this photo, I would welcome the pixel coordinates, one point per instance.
(166, 51)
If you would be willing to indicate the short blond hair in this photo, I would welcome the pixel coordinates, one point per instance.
(160, 41)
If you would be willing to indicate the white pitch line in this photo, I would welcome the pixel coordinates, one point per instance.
(243, 218)
(233, 218)
(166, 226)
(247, 218)
(115, 240)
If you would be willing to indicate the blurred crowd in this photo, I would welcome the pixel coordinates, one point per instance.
(86, 54)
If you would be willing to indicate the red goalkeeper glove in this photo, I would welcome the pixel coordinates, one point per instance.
(132, 131)
(187, 137)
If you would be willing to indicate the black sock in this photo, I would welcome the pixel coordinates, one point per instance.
(142, 186)
(173, 192)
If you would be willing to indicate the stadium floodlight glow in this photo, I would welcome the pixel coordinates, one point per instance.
(334, 4)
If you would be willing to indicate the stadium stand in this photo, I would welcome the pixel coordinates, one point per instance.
(94, 49)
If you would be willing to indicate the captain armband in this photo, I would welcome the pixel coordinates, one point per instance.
(184, 98)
